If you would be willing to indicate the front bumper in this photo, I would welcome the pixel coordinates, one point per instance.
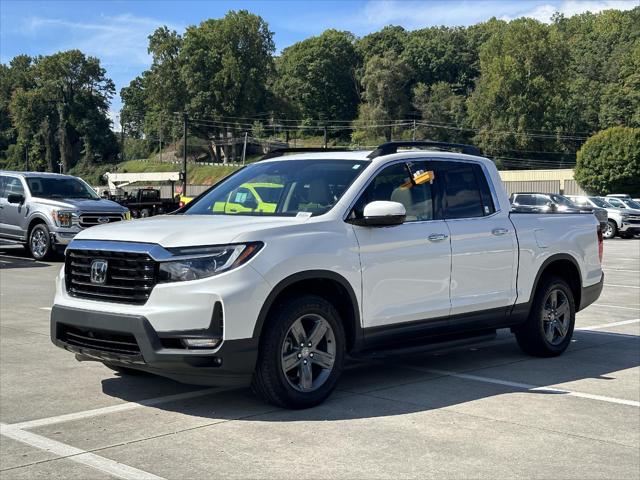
(631, 228)
(232, 363)
(63, 237)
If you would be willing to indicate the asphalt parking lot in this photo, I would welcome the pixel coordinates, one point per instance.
(486, 411)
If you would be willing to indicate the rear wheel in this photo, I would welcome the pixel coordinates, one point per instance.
(301, 353)
(549, 327)
(145, 212)
(40, 242)
(610, 230)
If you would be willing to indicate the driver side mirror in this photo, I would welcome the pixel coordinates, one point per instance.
(15, 198)
(382, 214)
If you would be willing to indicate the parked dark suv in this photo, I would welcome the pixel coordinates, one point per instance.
(529, 202)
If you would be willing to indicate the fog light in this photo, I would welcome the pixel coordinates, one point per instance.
(201, 342)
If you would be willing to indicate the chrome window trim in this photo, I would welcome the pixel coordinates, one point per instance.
(494, 196)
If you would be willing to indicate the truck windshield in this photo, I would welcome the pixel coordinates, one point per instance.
(60, 187)
(599, 202)
(632, 203)
(280, 188)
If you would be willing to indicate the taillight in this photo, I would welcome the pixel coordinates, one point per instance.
(600, 243)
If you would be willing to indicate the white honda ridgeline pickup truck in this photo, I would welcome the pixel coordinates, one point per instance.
(287, 267)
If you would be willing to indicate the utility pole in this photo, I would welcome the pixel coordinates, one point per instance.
(244, 148)
(414, 130)
(184, 154)
(160, 137)
(122, 138)
(325, 136)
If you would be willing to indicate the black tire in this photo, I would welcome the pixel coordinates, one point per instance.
(625, 235)
(39, 242)
(610, 230)
(124, 370)
(270, 382)
(533, 336)
(145, 212)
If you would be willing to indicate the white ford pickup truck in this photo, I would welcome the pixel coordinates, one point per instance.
(277, 274)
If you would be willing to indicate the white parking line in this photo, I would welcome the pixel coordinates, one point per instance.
(77, 455)
(616, 306)
(612, 324)
(116, 408)
(620, 270)
(534, 388)
(46, 308)
(620, 286)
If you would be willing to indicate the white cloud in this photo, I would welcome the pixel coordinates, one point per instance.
(117, 40)
(570, 8)
(413, 14)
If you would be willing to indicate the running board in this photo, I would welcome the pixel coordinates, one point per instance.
(444, 343)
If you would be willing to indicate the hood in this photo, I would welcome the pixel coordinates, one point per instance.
(185, 230)
(82, 204)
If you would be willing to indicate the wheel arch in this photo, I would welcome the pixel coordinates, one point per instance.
(564, 266)
(326, 284)
(35, 220)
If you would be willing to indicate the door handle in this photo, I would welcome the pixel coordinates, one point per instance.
(500, 231)
(437, 237)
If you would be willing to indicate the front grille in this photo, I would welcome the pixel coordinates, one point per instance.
(102, 340)
(633, 219)
(92, 219)
(130, 277)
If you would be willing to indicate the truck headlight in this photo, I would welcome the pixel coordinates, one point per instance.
(64, 218)
(624, 215)
(193, 263)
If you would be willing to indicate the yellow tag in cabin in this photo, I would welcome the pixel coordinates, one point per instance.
(424, 177)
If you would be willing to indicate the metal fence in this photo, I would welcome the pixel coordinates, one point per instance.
(541, 186)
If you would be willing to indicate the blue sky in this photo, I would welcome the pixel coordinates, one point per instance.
(116, 31)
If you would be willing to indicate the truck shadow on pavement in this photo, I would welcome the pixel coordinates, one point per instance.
(14, 256)
(418, 383)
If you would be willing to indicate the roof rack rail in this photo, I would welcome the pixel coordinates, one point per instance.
(392, 147)
(278, 152)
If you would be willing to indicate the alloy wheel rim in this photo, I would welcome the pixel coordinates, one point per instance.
(608, 230)
(556, 317)
(308, 353)
(38, 243)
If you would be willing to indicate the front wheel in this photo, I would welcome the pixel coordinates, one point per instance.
(301, 353)
(610, 230)
(549, 327)
(40, 242)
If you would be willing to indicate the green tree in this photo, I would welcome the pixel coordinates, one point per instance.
(59, 109)
(443, 110)
(318, 76)
(391, 39)
(226, 64)
(609, 162)
(385, 85)
(441, 54)
(522, 88)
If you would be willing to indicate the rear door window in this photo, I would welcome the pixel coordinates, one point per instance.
(463, 197)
